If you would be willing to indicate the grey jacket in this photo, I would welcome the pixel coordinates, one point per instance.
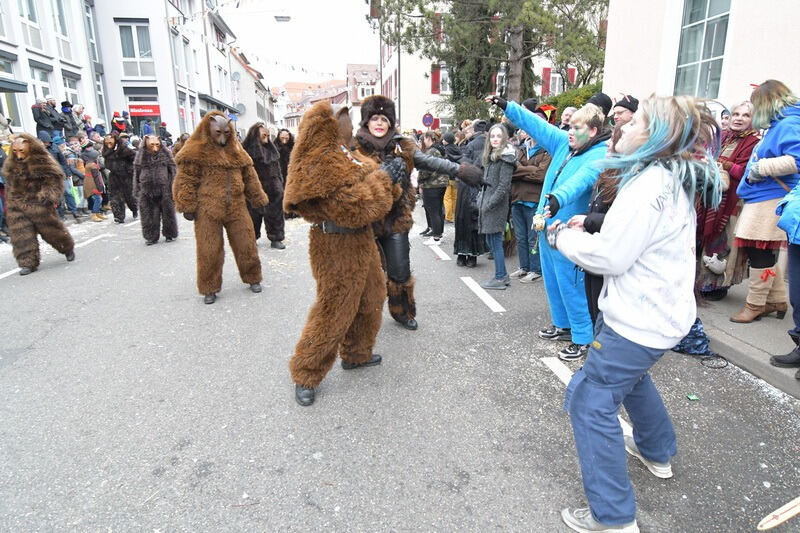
(493, 199)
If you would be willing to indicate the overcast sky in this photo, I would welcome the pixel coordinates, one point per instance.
(321, 38)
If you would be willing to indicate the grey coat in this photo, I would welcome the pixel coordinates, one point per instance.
(493, 199)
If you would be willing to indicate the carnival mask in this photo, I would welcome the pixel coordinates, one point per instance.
(152, 143)
(220, 130)
(21, 149)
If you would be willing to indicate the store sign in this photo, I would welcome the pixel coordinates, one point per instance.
(144, 110)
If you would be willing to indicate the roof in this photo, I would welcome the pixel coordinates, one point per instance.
(362, 73)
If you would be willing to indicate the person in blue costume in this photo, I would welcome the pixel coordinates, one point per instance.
(566, 191)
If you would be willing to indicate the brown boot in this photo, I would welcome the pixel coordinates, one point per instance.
(777, 296)
(761, 280)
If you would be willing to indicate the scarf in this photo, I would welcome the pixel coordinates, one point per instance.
(374, 144)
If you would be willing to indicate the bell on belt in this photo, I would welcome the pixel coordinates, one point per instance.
(538, 222)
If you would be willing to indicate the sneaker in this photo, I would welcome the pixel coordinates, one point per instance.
(432, 241)
(582, 520)
(660, 470)
(573, 352)
(530, 277)
(495, 284)
(519, 273)
(426, 232)
(555, 334)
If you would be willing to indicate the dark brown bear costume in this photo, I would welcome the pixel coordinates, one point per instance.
(34, 186)
(215, 180)
(343, 196)
(118, 159)
(153, 173)
(266, 160)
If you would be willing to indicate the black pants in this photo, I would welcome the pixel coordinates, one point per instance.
(433, 202)
(396, 251)
(594, 284)
(761, 258)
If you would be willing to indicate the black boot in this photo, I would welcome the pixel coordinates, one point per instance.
(255, 287)
(472, 261)
(461, 260)
(24, 271)
(790, 360)
(375, 360)
(278, 245)
(209, 298)
(71, 256)
(304, 395)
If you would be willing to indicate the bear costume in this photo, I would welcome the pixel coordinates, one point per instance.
(34, 186)
(215, 180)
(118, 159)
(266, 160)
(153, 173)
(342, 195)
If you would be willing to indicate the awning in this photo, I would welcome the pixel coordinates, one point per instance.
(216, 102)
(12, 86)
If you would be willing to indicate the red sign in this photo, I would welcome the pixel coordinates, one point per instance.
(145, 110)
(427, 120)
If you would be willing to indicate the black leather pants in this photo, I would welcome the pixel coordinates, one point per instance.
(396, 250)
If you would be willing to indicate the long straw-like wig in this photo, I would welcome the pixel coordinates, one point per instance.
(684, 138)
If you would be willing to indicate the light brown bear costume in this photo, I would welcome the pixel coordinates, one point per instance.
(342, 196)
(34, 186)
(212, 187)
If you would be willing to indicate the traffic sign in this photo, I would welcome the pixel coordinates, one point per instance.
(427, 120)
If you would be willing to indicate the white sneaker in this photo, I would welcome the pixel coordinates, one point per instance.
(432, 241)
(518, 273)
(660, 470)
(530, 277)
(581, 520)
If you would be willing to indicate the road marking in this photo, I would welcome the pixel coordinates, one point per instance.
(131, 224)
(483, 295)
(563, 373)
(9, 273)
(438, 251)
(101, 236)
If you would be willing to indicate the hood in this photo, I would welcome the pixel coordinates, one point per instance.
(788, 111)
(200, 148)
(601, 137)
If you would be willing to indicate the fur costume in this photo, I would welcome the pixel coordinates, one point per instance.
(212, 184)
(119, 162)
(153, 174)
(328, 184)
(266, 161)
(33, 189)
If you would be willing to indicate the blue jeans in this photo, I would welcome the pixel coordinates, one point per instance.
(522, 217)
(97, 203)
(794, 287)
(616, 373)
(68, 198)
(495, 243)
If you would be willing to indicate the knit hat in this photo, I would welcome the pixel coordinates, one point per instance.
(628, 102)
(90, 155)
(116, 114)
(49, 97)
(125, 114)
(164, 124)
(602, 101)
(40, 101)
(377, 105)
(449, 138)
(44, 137)
(479, 126)
(530, 104)
(58, 139)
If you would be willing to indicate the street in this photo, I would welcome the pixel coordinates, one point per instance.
(128, 405)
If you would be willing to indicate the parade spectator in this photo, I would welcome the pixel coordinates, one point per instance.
(643, 252)
(433, 187)
(601, 100)
(118, 124)
(166, 136)
(499, 161)
(725, 120)
(3, 157)
(68, 198)
(72, 153)
(126, 117)
(624, 108)
(473, 151)
(770, 174)
(100, 127)
(93, 185)
(45, 121)
(453, 152)
(58, 118)
(147, 127)
(468, 243)
(566, 191)
(566, 115)
(72, 127)
(720, 264)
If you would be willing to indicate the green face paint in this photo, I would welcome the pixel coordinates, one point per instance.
(582, 136)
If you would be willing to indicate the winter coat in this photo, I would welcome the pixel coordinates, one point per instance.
(431, 180)
(43, 118)
(494, 195)
(473, 151)
(153, 174)
(100, 129)
(71, 127)
(93, 182)
(453, 153)
(601, 200)
(526, 183)
(147, 129)
(215, 181)
(36, 182)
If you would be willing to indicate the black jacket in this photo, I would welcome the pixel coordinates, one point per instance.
(473, 152)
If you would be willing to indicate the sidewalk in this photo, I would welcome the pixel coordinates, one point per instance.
(749, 346)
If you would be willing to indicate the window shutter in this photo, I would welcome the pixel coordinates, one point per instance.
(435, 79)
(437, 26)
(546, 81)
(571, 74)
(494, 83)
(436, 124)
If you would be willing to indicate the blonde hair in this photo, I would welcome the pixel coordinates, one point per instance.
(493, 154)
(769, 99)
(747, 103)
(589, 115)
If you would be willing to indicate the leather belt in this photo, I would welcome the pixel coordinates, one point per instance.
(329, 226)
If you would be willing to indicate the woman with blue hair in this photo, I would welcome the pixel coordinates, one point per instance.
(646, 253)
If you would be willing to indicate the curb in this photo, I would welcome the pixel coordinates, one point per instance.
(753, 360)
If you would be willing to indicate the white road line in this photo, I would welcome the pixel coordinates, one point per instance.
(131, 224)
(483, 295)
(97, 238)
(563, 373)
(9, 273)
(438, 251)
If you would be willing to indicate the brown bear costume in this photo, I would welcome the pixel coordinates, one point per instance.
(343, 196)
(215, 180)
(153, 173)
(118, 159)
(266, 160)
(34, 186)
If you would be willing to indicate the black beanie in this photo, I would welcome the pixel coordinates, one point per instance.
(628, 102)
(530, 104)
(479, 125)
(449, 138)
(377, 105)
(602, 101)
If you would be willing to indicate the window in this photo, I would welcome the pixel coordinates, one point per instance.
(90, 33)
(71, 89)
(40, 82)
(702, 47)
(136, 52)
(556, 83)
(219, 37)
(196, 62)
(187, 63)
(2, 23)
(177, 64)
(101, 100)
(60, 24)
(182, 111)
(8, 101)
(30, 24)
(444, 79)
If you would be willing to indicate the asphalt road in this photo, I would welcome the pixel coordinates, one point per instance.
(128, 405)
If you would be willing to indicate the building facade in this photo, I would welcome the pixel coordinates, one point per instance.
(251, 98)
(50, 47)
(715, 49)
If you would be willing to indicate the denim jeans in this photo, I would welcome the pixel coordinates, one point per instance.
(97, 203)
(68, 198)
(495, 243)
(794, 287)
(522, 217)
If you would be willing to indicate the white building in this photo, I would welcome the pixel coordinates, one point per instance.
(708, 48)
(251, 98)
(49, 47)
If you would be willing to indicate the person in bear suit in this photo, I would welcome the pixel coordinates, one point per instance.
(153, 173)
(266, 160)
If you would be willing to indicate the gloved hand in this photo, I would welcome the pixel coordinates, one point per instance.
(396, 168)
(553, 232)
(470, 174)
(497, 100)
(552, 206)
(188, 216)
(754, 176)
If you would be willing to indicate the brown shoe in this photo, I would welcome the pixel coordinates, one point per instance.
(779, 309)
(748, 313)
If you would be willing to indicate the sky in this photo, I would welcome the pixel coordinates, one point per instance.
(321, 38)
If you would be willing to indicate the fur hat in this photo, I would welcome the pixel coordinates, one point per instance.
(602, 101)
(530, 104)
(628, 102)
(377, 105)
(66, 103)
